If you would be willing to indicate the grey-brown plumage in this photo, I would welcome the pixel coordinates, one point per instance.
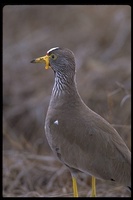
(80, 138)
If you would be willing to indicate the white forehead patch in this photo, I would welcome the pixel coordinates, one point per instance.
(56, 122)
(52, 49)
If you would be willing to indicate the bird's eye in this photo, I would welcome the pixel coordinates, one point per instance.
(53, 56)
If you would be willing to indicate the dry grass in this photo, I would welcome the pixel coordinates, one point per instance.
(100, 37)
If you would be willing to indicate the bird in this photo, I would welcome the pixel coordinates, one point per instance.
(81, 139)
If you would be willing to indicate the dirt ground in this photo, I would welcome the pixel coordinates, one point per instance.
(100, 37)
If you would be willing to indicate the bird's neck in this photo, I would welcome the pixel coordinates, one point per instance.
(64, 88)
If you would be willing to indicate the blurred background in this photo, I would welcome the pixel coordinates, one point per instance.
(100, 37)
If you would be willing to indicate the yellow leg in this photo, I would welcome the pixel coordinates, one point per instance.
(75, 189)
(93, 194)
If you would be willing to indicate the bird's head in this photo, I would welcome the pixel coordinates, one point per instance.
(61, 60)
